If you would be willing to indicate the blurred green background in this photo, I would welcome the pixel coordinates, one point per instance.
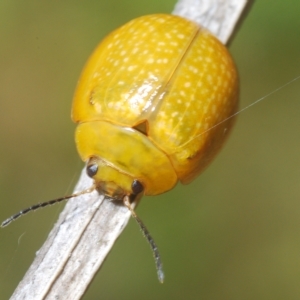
(234, 233)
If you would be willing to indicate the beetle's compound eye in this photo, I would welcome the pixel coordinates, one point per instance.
(136, 187)
(92, 170)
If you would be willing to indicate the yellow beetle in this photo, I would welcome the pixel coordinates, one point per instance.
(147, 103)
(154, 105)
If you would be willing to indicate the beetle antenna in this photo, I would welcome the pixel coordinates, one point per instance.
(43, 204)
(158, 263)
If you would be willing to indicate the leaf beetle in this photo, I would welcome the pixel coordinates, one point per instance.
(154, 105)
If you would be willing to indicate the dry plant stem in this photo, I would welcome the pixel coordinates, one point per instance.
(89, 225)
(75, 248)
(219, 16)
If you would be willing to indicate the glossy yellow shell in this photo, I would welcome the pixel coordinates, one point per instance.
(148, 102)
